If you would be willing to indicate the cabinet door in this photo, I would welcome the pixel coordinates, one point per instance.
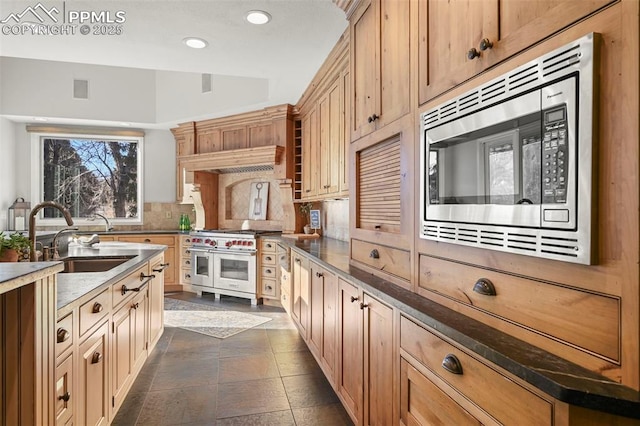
(121, 353)
(423, 403)
(310, 154)
(445, 41)
(350, 357)
(364, 68)
(139, 323)
(330, 326)
(379, 362)
(65, 391)
(93, 382)
(331, 139)
(156, 302)
(316, 309)
(300, 296)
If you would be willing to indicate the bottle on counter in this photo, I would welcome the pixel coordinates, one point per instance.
(187, 223)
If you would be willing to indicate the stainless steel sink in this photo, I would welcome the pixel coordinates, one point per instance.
(93, 264)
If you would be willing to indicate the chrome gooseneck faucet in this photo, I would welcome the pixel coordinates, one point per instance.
(107, 224)
(32, 223)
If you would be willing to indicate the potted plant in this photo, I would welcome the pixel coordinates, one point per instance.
(14, 248)
(305, 208)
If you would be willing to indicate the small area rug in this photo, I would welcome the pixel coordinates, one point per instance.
(209, 320)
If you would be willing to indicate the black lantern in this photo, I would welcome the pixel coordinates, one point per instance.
(18, 219)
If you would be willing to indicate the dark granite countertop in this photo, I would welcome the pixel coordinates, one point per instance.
(78, 287)
(17, 274)
(561, 379)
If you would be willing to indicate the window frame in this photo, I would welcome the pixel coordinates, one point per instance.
(37, 164)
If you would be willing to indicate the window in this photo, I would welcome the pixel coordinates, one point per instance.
(89, 174)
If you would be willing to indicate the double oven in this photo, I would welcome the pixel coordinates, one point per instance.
(224, 263)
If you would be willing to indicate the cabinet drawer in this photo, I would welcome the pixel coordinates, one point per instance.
(268, 259)
(167, 240)
(186, 263)
(185, 240)
(93, 311)
(64, 334)
(387, 259)
(186, 276)
(547, 308)
(422, 402)
(131, 281)
(268, 246)
(269, 272)
(185, 253)
(268, 287)
(499, 396)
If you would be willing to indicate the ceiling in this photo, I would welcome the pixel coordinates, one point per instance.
(287, 51)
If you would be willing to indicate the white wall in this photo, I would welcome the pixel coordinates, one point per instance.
(45, 88)
(179, 95)
(159, 167)
(7, 169)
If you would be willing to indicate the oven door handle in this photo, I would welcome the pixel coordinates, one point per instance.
(245, 253)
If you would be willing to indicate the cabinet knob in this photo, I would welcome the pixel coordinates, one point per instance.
(473, 53)
(65, 397)
(451, 363)
(375, 254)
(269, 287)
(484, 287)
(135, 305)
(354, 299)
(268, 245)
(297, 260)
(97, 307)
(372, 118)
(188, 251)
(268, 271)
(319, 274)
(188, 262)
(378, 227)
(485, 44)
(62, 335)
(268, 258)
(96, 358)
(147, 240)
(363, 305)
(188, 276)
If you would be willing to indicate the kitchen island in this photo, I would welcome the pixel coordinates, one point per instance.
(75, 341)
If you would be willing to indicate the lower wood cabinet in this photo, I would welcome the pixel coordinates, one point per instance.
(323, 317)
(93, 378)
(171, 255)
(349, 381)
(102, 345)
(300, 292)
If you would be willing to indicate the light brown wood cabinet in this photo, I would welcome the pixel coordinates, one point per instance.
(324, 117)
(268, 270)
(300, 281)
(93, 378)
(185, 260)
(350, 358)
(380, 65)
(172, 255)
(450, 53)
(65, 389)
(323, 318)
(381, 206)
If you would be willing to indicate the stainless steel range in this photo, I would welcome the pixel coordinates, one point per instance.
(224, 262)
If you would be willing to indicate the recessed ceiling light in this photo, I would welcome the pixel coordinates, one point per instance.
(40, 119)
(122, 123)
(195, 42)
(258, 17)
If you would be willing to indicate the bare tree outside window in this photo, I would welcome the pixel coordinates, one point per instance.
(91, 176)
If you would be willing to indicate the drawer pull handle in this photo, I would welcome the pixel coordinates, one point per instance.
(268, 245)
(188, 275)
(62, 335)
(268, 271)
(485, 287)
(375, 254)
(452, 364)
(319, 274)
(363, 305)
(147, 240)
(188, 251)
(97, 308)
(378, 227)
(354, 299)
(267, 258)
(297, 260)
(269, 287)
(188, 262)
(143, 276)
(162, 267)
(96, 358)
(65, 397)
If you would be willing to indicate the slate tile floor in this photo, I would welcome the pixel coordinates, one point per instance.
(262, 376)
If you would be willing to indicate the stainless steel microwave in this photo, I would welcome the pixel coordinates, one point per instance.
(510, 165)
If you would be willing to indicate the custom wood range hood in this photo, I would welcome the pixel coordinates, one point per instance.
(263, 158)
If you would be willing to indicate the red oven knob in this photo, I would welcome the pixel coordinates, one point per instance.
(207, 241)
(213, 243)
(228, 244)
(250, 243)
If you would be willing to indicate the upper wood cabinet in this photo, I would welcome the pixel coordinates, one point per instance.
(451, 52)
(324, 117)
(380, 65)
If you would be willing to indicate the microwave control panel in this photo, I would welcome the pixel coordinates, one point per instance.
(555, 156)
